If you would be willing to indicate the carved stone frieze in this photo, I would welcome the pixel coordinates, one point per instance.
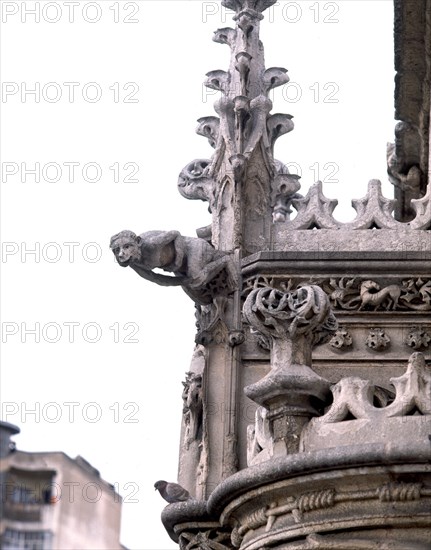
(297, 508)
(350, 294)
(328, 542)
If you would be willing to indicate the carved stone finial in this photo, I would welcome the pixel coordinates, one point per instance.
(314, 210)
(294, 322)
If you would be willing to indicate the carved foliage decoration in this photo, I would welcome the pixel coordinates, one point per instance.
(346, 293)
(377, 339)
(305, 311)
(341, 340)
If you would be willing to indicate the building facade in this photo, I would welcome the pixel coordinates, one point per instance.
(51, 501)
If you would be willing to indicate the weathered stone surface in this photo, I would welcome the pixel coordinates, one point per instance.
(282, 463)
(408, 159)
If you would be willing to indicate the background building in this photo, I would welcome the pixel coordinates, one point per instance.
(51, 501)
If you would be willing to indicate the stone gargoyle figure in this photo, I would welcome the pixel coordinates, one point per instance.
(193, 261)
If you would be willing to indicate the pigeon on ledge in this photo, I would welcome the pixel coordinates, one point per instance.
(172, 492)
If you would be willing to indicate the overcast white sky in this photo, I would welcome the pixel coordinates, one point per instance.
(111, 343)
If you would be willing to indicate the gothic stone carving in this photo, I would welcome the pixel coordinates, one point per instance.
(361, 295)
(372, 211)
(294, 322)
(355, 396)
(194, 182)
(194, 262)
(418, 338)
(377, 339)
(205, 539)
(341, 340)
(192, 408)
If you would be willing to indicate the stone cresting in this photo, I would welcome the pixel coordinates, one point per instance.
(353, 397)
(373, 211)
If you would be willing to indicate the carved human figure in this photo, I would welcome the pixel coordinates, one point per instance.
(192, 407)
(193, 261)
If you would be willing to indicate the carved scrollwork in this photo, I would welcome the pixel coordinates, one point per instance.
(304, 311)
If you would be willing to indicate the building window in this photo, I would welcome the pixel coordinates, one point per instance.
(26, 540)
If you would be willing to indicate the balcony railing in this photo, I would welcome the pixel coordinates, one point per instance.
(18, 511)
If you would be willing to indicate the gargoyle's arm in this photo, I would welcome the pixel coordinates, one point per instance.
(158, 278)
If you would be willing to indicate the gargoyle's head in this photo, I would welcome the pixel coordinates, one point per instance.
(126, 247)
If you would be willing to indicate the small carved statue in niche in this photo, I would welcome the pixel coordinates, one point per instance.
(192, 407)
(193, 261)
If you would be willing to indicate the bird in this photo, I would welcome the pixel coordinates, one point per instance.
(172, 492)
